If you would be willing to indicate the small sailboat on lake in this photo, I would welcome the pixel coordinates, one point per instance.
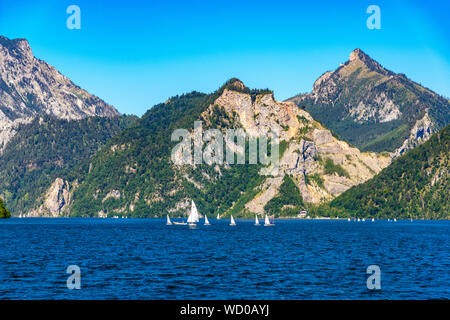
(267, 222)
(257, 221)
(232, 222)
(207, 221)
(218, 216)
(193, 215)
(169, 223)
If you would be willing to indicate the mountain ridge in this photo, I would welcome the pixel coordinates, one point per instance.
(373, 107)
(138, 179)
(415, 185)
(30, 87)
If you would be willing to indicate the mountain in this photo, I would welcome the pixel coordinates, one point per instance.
(48, 125)
(415, 185)
(30, 87)
(134, 175)
(41, 153)
(373, 108)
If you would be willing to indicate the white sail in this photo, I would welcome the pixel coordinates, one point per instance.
(256, 221)
(232, 223)
(206, 221)
(218, 217)
(266, 221)
(169, 223)
(193, 216)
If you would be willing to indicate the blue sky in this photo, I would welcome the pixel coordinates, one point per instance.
(135, 54)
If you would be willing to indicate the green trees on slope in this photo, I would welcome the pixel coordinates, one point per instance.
(415, 185)
(4, 213)
(289, 200)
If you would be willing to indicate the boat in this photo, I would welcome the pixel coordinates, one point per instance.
(359, 219)
(363, 219)
(179, 223)
(206, 221)
(218, 216)
(348, 219)
(373, 219)
(193, 215)
(232, 222)
(257, 221)
(169, 223)
(395, 220)
(267, 222)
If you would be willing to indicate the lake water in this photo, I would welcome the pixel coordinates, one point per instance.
(296, 259)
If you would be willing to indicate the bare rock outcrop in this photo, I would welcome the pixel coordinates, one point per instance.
(56, 201)
(309, 146)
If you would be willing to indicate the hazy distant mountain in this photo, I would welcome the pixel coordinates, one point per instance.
(30, 87)
(374, 108)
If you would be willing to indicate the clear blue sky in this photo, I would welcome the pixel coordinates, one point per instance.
(134, 54)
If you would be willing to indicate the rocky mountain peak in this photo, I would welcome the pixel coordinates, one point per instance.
(358, 56)
(236, 83)
(374, 108)
(17, 47)
(30, 87)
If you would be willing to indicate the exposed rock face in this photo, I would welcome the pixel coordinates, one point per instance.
(372, 107)
(30, 87)
(421, 132)
(309, 144)
(115, 194)
(262, 115)
(57, 200)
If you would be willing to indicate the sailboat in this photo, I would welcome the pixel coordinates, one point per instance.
(193, 216)
(169, 223)
(348, 219)
(218, 216)
(267, 222)
(232, 222)
(395, 220)
(206, 221)
(373, 219)
(257, 221)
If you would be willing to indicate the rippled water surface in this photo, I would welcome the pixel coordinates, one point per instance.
(145, 259)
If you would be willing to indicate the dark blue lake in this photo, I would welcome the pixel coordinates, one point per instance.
(296, 259)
